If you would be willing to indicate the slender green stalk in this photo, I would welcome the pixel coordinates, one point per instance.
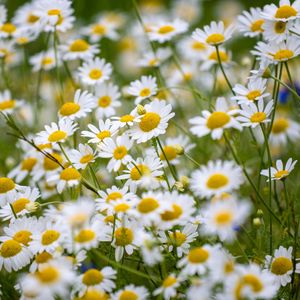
(13, 211)
(286, 86)
(192, 160)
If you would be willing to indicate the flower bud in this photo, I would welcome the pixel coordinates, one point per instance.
(32, 206)
(179, 149)
(256, 222)
(140, 109)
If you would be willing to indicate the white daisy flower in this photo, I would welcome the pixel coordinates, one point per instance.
(117, 151)
(68, 177)
(276, 31)
(252, 115)
(94, 71)
(125, 120)
(210, 58)
(7, 103)
(214, 123)
(250, 23)
(78, 49)
(8, 188)
(223, 218)
(83, 103)
(154, 122)
(7, 30)
(57, 133)
(214, 34)
(105, 131)
(216, 177)
(131, 292)
(191, 49)
(108, 96)
(82, 157)
(169, 287)
(151, 59)
(143, 88)
(280, 172)
(281, 265)
(164, 31)
(44, 60)
(254, 91)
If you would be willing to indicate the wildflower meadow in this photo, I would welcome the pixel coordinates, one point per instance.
(148, 149)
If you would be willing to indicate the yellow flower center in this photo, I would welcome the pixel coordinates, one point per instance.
(10, 248)
(280, 125)
(44, 146)
(149, 121)
(198, 255)
(114, 196)
(257, 25)
(99, 29)
(215, 38)
(8, 104)
(47, 61)
(32, 18)
(85, 235)
(283, 54)
(70, 174)
(123, 236)
(223, 56)
(258, 117)
(56, 136)
(49, 237)
(147, 205)
(28, 163)
(177, 238)
(103, 134)
(253, 95)
(54, 12)
(217, 120)
(78, 219)
(122, 207)
(223, 217)
(152, 62)
(217, 181)
(138, 171)
(48, 275)
(128, 295)
(280, 27)
(86, 158)
(170, 153)
(127, 118)
(20, 204)
(79, 46)
(173, 214)
(254, 282)
(92, 277)
(49, 164)
(285, 12)
(69, 108)
(281, 265)
(95, 74)
(8, 28)
(120, 152)
(94, 294)
(23, 237)
(104, 101)
(166, 29)
(198, 46)
(280, 174)
(229, 267)
(6, 185)
(145, 92)
(169, 281)
(43, 257)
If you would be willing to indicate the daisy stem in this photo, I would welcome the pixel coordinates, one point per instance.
(192, 160)
(293, 32)
(4, 74)
(286, 86)
(290, 78)
(51, 202)
(94, 176)
(13, 211)
(222, 70)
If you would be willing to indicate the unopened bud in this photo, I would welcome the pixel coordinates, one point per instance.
(179, 149)
(32, 206)
(141, 109)
(267, 73)
(260, 212)
(185, 181)
(246, 61)
(179, 186)
(256, 222)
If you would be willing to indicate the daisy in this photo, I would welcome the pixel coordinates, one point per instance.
(44, 60)
(8, 189)
(20, 202)
(96, 135)
(210, 58)
(284, 12)
(276, 31)
(281, 265)
(214, 34)
(125, 120)
(93, 293)
(198, 260)
(280, 172)
(68, 177)
(57, 14)
(151, 59)
(250, 23)
(165, 31)
(169, 287)
(252, 115)
(108, 96)
(57, 133)
(78, 49)
(154, 122)
(82, 104)
(223, 218)
(94, 71)
(7, 30)
(82, 157)
(254, 91)
(131, 292)
(280, 52)
(143, 89)
(143, 173)
(215, 122)
(7, 103)
(117, 151)
(215, 178)
(191, 49)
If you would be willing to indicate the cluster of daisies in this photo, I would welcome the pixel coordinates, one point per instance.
(141, 190)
